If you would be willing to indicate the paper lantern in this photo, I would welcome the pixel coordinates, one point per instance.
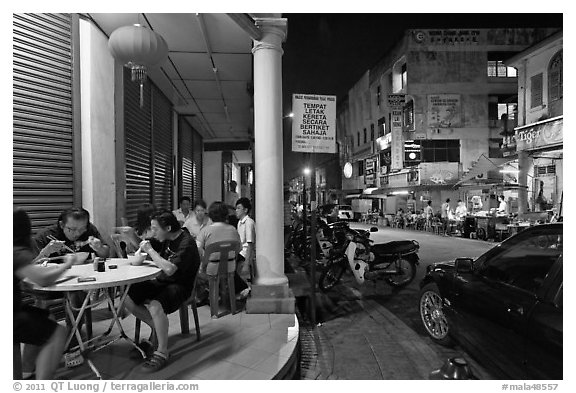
(138, 48)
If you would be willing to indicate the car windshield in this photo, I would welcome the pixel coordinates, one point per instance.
(525, 259)
(345, 207)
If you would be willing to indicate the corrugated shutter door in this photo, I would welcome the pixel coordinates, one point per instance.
(162, 143)
(138, 144)
(43, 169)
(197, 164)
(185, 153)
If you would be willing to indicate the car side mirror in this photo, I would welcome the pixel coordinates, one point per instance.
(464, 265)
(373, 229)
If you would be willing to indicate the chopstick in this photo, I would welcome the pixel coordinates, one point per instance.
(65, 246)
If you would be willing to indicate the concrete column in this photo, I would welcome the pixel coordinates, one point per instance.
(523, 167)
(270, 292)
(97, 129)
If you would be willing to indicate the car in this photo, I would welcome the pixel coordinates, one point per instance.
(345, 213)
(505, 307)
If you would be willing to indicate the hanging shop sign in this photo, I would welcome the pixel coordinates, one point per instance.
(370, 171)
(384, 142)
(314, 123)
(396, 100)
(396, 139)
(540, 135)
(444, 111)
(348, 170)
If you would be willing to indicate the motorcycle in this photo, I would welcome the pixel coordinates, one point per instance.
(396, 261)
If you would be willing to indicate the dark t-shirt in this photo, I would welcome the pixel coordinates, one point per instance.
(182, 252)
(41, 239)
(22, 256)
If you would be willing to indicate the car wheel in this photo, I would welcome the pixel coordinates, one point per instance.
(432, 315)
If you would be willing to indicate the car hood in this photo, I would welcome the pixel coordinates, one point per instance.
(447, 266)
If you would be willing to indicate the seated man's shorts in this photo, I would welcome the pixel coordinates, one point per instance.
(32, 325)
(171, 296)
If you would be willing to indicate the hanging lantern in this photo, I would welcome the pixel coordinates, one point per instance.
(138, 48)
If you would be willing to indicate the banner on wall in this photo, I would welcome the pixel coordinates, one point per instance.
(314, 123)
(444, 110)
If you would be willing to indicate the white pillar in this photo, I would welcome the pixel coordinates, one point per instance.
(268, 151)
(270, 292)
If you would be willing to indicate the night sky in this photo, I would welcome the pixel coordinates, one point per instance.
(327, 53)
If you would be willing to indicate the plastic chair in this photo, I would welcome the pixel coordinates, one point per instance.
(184, 321)
(222, 266)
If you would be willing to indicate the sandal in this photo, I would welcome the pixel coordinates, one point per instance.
(145, 346)
(155, 362)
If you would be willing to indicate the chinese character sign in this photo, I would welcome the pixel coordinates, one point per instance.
(444, 111)
(396, 139)
(314, 123)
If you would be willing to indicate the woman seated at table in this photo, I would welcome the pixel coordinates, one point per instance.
(43, 337)
(141, 231)
(174, 251)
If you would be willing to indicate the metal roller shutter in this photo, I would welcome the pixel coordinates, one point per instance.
(197, 164)
(162, 148)
(43, 170)
(138, 142)
(185, 161)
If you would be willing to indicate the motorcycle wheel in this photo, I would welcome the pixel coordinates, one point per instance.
(408, 272)
(432, 315)
(331, 276)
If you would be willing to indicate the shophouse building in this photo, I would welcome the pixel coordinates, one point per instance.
(436, 105)
(538, 137)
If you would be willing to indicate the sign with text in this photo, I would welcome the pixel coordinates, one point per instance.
(396, 100)
(314, 123)
(540, 135)
(444, 111)
(396, 139)
(370, 172)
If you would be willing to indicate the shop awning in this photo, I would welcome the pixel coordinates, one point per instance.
(481, 166)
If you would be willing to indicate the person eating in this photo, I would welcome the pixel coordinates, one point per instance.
(174, 251)
(72, 233)
(43, 337)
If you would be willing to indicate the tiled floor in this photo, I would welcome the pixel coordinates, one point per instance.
(241, 346)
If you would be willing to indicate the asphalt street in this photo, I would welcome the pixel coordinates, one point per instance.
(354, 320)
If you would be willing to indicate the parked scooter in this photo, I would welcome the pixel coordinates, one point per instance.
(395, 261)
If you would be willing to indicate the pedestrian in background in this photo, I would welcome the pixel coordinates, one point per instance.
(247, 231)
(445, 215)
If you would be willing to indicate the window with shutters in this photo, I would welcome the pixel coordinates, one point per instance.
(536, 91)
(372, 132)
(555, 77)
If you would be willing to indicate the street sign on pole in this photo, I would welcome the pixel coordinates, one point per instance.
(314, 123)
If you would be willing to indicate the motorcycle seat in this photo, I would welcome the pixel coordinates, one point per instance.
(394, 247)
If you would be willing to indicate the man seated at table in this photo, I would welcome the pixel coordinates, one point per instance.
(183, 213)
(72, 232)
(44, 339)
(174, 251)
(199, 219)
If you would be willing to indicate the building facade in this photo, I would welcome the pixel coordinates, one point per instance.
(538, 138)
(429, 110)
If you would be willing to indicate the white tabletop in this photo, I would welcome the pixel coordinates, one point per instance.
(124, 274)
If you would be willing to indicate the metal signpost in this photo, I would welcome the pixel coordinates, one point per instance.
(313, 131)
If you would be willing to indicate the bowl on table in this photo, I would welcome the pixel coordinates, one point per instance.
(80, 257)
(136, 260)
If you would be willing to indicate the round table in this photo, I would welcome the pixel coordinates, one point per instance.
(123, 276)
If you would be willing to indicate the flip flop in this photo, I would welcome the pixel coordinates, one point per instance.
(145, 346)
(155, 362)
